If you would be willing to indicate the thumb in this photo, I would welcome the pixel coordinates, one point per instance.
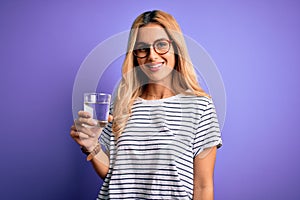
(110, 118)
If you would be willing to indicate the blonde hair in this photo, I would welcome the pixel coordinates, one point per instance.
(133, 80)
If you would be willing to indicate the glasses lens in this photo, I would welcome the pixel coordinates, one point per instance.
(141, 51)
(161, 46)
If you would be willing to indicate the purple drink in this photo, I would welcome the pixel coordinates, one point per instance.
(97, 104)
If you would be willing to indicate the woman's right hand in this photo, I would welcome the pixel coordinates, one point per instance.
(85, 131)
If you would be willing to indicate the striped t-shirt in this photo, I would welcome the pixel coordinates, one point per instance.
(153, 157)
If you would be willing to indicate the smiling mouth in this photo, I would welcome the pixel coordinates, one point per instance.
(155, 67)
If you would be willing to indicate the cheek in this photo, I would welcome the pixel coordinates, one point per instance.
(140, 61)
(171, 60)
(170, 57)
(140, 64)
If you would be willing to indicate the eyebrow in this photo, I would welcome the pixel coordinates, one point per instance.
(138, 43)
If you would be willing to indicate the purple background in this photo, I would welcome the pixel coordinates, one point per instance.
(255, 45)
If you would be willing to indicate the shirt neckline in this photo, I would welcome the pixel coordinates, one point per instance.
(158, 100)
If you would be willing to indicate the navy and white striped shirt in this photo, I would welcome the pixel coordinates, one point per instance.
(153, 158)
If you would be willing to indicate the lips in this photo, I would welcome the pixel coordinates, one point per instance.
(154, 66)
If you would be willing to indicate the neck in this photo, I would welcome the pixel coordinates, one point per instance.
(157, 91)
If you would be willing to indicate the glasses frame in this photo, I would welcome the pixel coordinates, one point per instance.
(153, 46)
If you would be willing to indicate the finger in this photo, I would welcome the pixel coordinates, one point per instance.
(79, 135)
(110, 118)
(83, 136)
(79, 141)
(91, 131)
(73, 128)
(84, 114)
(87, 121)
(73, 134)
(87, 131)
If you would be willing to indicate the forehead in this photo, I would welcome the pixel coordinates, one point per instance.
(151, 33)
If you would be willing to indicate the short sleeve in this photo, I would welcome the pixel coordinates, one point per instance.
(207, 130)
(105, 137)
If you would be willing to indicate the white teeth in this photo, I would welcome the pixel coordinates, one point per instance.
(155, 66)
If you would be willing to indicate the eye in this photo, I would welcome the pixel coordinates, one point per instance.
(142, 48)
(161, 44)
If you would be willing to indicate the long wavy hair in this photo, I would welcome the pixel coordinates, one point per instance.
(134, 81)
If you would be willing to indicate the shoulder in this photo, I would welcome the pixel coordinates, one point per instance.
(197, 100)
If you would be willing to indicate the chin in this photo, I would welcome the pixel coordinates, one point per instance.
(160, 79)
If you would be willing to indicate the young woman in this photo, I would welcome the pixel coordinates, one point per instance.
(162, 141)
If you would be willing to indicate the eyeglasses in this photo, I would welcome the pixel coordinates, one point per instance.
(161, 47)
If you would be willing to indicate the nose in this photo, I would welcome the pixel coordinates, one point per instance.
(152, 54)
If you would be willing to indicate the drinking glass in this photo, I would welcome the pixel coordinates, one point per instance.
(97, 104)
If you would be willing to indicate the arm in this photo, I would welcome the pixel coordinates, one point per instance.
(87, 137)
(99, 163)
(203, 175)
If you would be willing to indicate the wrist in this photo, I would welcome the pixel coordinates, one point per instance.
(88, 150)
(94, 152)
(92, 147)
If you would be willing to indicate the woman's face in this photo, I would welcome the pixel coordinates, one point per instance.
(157, 67)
